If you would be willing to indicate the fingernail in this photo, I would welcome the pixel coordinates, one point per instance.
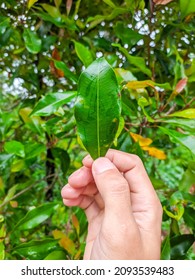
(102, 164)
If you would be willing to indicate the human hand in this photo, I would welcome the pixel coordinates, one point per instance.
(123, 211)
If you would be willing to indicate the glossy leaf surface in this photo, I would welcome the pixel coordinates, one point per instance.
(180, 245)
(97, 110)
(51, 102)
(32, 41)
(36, 249)
(15, 147)
(36, 216)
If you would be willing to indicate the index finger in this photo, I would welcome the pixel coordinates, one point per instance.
(132, 168)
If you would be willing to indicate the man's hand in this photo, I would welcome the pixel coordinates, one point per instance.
(123, 211)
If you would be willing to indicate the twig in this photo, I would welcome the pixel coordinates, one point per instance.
(189, 103)
(25, 190)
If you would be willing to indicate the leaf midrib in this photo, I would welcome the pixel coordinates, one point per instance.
(98, 111)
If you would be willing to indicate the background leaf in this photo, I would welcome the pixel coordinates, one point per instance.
(51, 102)
(188, 113)
(15, 147)
(35, 250)
(83, 53)
(32, 41)
(180, 245)
(36, 216)
(166, 249)
(187, 7)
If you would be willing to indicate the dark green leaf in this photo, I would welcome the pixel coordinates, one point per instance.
(4, 39)
(50, 103)
(64, 158)
(127, 35)
(36, 249)
(97, 110)
(4, 23)
(189, 217)
(189, 197)
(32, 41)
(36, 216)
(180, 245)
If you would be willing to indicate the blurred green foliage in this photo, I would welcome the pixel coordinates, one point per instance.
(44, 46)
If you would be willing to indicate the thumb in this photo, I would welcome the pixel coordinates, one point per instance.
(114, 190)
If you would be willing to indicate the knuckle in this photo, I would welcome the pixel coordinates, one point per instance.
(137, 160)
(119, 185)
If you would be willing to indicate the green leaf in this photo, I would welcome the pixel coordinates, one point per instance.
(36, 249)
(10, 194)
(178, 213)
(18, 165)
(180, 245)
(189, 217)
(188, 114)
(142, 102)
(67, 73)
(187, 7)
(31, 3)
(110, 3)
(187, 124)
(97, 110)
(36, 216)
(52, 10)
(2, 251)
(50, 103)
(63, 157)
(99, 18)
(34, 149)
(5, 160)
(59, 22)
(4, 23)
(56, 255)
(187, 141)
(124, 75)
(83, 53)
(15, 147)
(165, 249)
(32, 122)
(127, 35)
(120, 128)
(188, 178)
(32, 41)
(138, 62)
